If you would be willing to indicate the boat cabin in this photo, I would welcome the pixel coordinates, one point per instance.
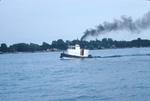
(77, 51)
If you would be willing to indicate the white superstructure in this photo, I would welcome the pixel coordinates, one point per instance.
(77, 51)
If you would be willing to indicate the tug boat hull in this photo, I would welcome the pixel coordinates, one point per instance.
(64, 55)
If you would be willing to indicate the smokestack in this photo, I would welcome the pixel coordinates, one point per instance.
(126, 23)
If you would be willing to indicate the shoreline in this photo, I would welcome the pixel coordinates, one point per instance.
(1, 53)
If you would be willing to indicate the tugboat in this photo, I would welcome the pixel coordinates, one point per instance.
(75, 52)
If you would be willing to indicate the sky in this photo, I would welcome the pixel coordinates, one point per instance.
(40, 21)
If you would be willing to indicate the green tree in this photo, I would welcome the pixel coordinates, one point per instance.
(21, 47)
(34, 47)
(45, 46)
(61, 44)
(4, 47)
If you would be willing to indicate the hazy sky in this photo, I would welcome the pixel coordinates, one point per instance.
(46, 20)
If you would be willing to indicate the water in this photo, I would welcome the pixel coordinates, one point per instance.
(44, 77)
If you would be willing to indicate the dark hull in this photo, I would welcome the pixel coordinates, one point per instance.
(62, 55)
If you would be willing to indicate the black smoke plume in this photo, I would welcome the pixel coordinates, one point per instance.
(126, 23)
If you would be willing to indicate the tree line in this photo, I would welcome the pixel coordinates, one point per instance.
(63, 45)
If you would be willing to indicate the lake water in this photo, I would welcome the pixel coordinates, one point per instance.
(44, 77)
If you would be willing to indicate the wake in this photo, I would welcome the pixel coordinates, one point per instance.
(116, 56)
